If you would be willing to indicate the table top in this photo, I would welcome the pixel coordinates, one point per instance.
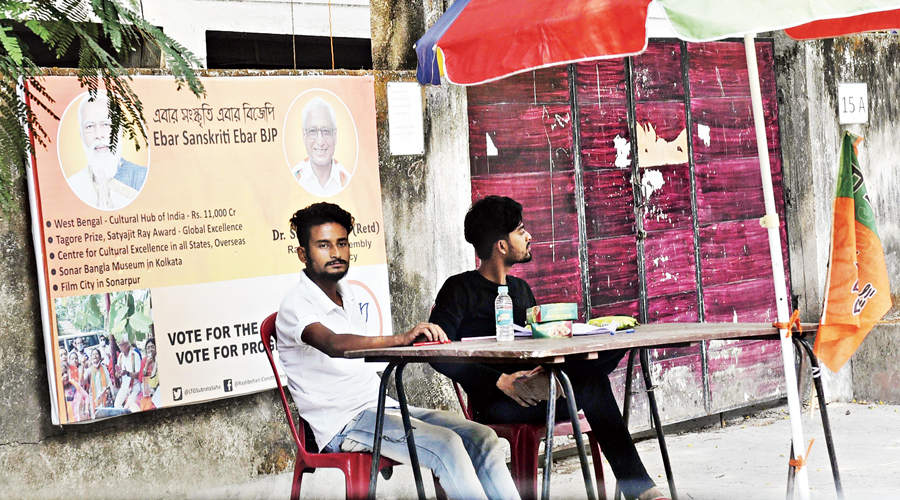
(545, 351)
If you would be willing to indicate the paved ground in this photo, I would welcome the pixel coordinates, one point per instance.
(746, 459)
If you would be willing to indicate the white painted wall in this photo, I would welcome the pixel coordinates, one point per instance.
(188, 20)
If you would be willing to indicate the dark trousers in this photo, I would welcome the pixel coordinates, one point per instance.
(590, 384)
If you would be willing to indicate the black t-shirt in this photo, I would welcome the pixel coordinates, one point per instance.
(464, 307)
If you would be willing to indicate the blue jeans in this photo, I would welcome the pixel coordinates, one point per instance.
(464, 455)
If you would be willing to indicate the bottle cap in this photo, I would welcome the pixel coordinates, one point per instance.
(502, 289)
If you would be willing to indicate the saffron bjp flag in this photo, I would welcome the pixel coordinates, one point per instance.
(857, 293)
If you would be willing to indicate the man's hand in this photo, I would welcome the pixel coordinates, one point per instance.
(505, 384)
(424, 332)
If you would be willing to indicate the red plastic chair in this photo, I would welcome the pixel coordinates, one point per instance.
(356, 466)
(524, 440)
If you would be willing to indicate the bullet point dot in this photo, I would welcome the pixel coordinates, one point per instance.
(53, 272)
(50, 239)
(55, 288)
(51, 255)
(48, 223)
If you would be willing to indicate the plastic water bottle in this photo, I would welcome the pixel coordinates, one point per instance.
(503, 315)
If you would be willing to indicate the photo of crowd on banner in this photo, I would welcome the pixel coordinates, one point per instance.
(107, 355)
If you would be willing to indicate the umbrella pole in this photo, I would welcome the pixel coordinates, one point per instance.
(770, 222)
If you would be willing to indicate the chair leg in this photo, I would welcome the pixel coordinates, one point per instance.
(298, 478)
(598, 466)
(524, 452)
(357, 486)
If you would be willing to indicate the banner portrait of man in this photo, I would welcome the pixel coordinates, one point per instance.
(319, 135)
(103, 177)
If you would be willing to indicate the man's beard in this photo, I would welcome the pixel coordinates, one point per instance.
(103, 165)
(325, 276)
(102, 168)
(332, 277)
(520, 259)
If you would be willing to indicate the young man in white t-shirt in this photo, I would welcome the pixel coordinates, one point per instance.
(318, 321)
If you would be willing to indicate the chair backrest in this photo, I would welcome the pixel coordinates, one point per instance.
(268, 335)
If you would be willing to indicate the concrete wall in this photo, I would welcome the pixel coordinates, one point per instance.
(425, 199)
(808, 78)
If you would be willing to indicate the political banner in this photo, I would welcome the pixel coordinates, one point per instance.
(158, 261)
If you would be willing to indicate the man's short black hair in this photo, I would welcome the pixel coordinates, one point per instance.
(317, 214)
(490, 220)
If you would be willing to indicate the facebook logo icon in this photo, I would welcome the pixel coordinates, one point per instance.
(228, 385)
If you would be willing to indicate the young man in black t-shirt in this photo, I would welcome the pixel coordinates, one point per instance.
(464, 307)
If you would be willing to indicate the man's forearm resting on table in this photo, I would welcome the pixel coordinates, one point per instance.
(335, 345)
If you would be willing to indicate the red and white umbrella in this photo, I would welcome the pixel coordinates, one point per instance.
(478, 41)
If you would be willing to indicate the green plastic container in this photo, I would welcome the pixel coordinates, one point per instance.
(552, 330)
(561, 311)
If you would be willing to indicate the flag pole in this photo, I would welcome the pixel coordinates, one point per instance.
(770, 222)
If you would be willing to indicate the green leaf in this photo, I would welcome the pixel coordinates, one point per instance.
(119, 326)
(140, 322)
(39, 29)
(95, 320)
(118, 313)
(94, 307)
(11, 45)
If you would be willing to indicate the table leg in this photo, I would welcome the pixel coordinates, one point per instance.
(823, 411)
(379, 428)
(548, 440)
(579, 438)
(407, 427)
(629, 370)
(657, 422)
(626, 404)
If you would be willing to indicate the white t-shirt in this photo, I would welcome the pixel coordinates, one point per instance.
(328, 391)
(339, 178)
